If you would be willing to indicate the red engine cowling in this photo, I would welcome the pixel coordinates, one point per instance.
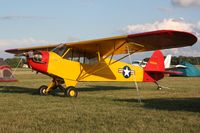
(39, 61)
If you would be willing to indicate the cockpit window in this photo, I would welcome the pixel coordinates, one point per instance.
(74, 54)
(82, 57)
(61, 49)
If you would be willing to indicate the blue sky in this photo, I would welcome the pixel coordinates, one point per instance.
(25, 23)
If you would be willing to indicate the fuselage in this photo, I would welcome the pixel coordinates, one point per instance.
(53, 64)
(73, 71)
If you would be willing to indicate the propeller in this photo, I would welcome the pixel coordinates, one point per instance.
(35, 55)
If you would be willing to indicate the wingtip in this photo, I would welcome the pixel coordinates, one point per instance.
(184, 38)
(11, 50)
(189, 38)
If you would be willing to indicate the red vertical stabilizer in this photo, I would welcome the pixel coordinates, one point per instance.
(154, 70)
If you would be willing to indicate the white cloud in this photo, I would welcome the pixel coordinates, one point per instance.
(187, 51)
(186, 3)
(18, 43)
(15, 43)
(170, 24)
(173, 24)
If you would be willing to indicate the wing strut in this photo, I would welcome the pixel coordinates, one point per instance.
(20, 61)
(136, 85)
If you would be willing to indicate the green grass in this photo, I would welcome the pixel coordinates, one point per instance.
(100, 107)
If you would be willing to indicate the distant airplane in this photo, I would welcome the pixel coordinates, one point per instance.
(168, 64)
(171, 70)
(92, 60)
(139, 63)
(188, 71)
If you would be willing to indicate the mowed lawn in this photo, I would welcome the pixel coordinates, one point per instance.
(100, 107)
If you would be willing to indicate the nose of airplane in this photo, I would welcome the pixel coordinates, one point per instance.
(38, 61)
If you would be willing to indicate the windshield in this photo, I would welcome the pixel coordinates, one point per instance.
(60, 49)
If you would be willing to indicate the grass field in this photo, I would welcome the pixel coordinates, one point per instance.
(100, 107)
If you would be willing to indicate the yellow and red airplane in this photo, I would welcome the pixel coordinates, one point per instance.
(92, 60)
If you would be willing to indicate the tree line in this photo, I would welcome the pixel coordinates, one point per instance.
(15, 62)
(179, 59)
(192, 60)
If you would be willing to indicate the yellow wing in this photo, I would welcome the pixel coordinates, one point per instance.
(148, 41)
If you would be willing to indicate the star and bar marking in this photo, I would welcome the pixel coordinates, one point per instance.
(126, 71)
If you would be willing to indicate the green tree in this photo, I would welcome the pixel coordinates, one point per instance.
(13, 62)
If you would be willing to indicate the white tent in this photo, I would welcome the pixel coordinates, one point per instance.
(6, 72)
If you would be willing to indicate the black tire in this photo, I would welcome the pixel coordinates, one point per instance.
(71, 92)
(42, 90)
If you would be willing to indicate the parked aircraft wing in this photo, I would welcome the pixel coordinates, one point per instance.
(148, 41)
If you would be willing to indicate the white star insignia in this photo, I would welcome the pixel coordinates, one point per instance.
(126, 72)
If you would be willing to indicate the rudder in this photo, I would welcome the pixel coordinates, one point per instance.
(154, 70)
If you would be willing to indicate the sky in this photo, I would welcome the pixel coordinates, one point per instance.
(26, 23)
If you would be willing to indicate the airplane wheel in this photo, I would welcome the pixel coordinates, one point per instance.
(159, 88)
(42, 90)
(71, 92)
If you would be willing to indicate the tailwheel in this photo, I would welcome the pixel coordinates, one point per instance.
(42, 90)
(159, 88)
(71, 92)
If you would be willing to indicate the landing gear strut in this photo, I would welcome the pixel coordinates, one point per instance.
(69, 91)
(158, 86)
(45, 90)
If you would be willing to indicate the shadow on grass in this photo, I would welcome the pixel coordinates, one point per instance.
(17, 89)
(103, 88)
(56, 92)
(31, 91)
(169, 104)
